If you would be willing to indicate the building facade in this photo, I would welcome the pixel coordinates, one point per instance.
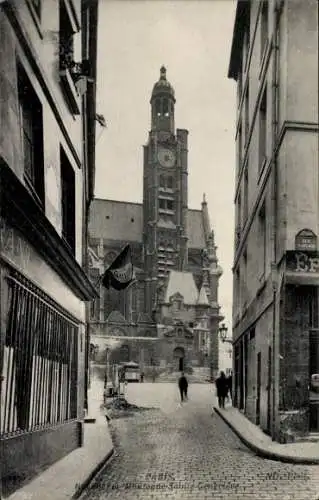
(274, 60)
(174, 301)
(47, 112)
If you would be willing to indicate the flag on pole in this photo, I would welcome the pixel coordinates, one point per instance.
(119, 274)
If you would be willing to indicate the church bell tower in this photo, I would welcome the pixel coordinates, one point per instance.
(165, 204)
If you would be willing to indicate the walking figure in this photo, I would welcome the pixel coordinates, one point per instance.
(183, 386)
(230, 386)
(222, 389)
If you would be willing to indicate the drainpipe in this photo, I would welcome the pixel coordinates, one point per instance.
(276, 332)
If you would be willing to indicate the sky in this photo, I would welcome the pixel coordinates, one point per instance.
(192, 38)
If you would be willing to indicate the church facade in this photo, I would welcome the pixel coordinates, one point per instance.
(168, 318)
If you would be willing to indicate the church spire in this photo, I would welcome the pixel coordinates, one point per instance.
(205, 215)
(163, 102)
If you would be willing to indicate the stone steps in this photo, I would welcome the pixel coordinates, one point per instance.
(200, 375)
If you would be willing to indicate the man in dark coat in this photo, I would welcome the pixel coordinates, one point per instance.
(230, 385)
(222, 389)
(183, 386)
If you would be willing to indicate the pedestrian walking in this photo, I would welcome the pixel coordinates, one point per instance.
(230, 386)
(142, 377)
(222, 389)
(183, 386)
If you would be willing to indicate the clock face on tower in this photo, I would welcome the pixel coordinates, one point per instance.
(166, 157)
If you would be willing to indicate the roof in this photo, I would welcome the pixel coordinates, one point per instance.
(106, 214)
(180, 282)
(195, 229)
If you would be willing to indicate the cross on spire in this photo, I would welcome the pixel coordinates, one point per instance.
(163, 73)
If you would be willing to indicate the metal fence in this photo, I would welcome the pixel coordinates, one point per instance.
(40, 362)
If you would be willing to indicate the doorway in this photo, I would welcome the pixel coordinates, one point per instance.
(314, 361)
(179, 359)
(269, 390)
(314, 380)
(181, 364)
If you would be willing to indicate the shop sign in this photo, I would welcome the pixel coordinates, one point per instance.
(303, 262)
(306, 240)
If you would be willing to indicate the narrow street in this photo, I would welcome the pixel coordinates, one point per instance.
(186, 451)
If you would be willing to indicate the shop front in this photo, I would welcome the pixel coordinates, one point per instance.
(299, 345)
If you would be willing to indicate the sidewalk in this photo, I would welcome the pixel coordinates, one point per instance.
(262, 445)
(68, 477)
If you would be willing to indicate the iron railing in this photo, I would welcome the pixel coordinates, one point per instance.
(39, 376)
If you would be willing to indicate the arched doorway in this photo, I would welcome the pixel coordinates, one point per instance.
(179, 356)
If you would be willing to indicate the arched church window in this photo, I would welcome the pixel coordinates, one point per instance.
(158, 107)
(165, 107)
(169, 182)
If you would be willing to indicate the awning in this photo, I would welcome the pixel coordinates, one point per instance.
(299, 278)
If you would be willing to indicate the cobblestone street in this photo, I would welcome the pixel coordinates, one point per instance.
(186, 451)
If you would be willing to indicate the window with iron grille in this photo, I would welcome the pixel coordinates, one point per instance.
(39, 363)
(68, 201)
(31, 134)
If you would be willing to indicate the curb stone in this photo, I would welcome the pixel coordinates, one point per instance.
(80, 488)
(262, 452)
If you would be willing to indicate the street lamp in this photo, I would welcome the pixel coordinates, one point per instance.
(223, 334)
